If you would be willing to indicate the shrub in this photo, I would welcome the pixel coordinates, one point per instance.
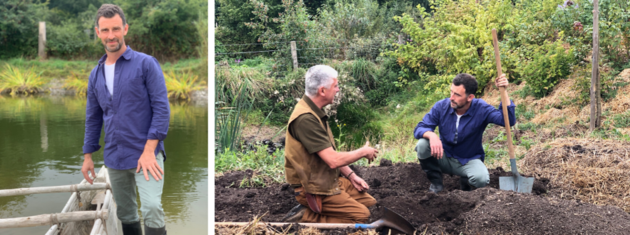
(549, 64)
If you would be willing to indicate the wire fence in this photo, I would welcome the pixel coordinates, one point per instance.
(307, 54)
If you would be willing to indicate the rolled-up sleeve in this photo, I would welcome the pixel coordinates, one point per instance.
(496, 115)
(93, 118)
(156, 87)
(428, 123)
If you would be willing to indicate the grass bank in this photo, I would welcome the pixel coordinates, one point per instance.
(33, 76)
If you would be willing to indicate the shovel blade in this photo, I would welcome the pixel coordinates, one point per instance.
(395, 221)
(517, 184)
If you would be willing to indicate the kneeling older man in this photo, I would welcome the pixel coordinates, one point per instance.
(312, 164)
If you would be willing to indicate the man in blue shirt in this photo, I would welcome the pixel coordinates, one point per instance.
(462, 120)
(127, 92)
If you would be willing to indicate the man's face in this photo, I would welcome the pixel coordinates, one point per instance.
(330, 92)
(459, 99)
(111, 31)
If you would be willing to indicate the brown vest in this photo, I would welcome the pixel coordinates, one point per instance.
(308, 170)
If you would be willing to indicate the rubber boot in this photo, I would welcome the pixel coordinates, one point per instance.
(431, 167)
(132, 229)
(464, 185)
(154, 231)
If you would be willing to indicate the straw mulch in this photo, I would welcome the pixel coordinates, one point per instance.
(589, 170)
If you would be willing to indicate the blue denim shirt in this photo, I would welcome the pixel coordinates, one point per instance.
(136, 112)
(463, 143)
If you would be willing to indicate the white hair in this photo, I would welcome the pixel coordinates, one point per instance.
(318, 76)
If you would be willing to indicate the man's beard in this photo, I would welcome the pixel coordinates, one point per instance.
(458, 106)
(117, 48)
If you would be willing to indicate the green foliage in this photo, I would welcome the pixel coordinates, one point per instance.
(622, 120)
(17, 81)
(267, 166)
(359, 118)
(163, 28)
(18, 27)
(549, 64)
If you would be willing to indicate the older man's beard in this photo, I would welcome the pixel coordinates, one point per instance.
(458, 106)
(117, 48)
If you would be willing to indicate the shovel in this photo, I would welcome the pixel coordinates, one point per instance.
(389, 220)
(516, 182)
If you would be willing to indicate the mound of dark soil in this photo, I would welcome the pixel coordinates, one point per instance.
(403, 189)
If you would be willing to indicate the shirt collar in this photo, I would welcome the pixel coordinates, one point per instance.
(127, 55)
(314, 107)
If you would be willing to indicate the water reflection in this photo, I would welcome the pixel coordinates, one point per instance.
(40, 145)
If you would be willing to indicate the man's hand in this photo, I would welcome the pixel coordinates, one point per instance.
(369, 152)
(88, 166)
(147, 162)
(437, 150)
(359, 183)
(501, 81)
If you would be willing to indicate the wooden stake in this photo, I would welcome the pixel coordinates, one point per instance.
(42, 40)
(596, 110)
(294, 55)
(53, 189)
(49, 219)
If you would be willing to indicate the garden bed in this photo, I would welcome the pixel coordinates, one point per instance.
(403, 189)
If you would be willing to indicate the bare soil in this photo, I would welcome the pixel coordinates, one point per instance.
(403, 189)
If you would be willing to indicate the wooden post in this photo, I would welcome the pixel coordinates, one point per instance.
(49, 219)
(595, 91)
(53, 189)
(400, 40)
(42, 40)
(294, 55)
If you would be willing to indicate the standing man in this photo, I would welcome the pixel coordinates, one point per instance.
(461, 119)
(127, 92)
(312, 164)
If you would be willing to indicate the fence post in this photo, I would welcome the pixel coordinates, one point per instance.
(42, 40)
(595, 91)
(400, 41)
(294, 55)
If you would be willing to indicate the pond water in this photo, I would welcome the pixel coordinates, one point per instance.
(41, 141)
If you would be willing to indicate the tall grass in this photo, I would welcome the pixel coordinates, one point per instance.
(231, 80)
(18, 81)
(78, 83)
(228, 119)
(180, 85)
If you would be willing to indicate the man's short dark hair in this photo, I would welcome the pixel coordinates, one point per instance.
(109, 11)
(469, 82)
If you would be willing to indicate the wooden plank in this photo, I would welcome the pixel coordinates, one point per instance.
(53, 189)
(50, 219)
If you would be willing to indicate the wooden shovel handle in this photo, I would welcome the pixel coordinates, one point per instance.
(504, 95)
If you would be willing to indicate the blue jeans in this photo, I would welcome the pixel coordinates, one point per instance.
(475, 170)
(124, 184)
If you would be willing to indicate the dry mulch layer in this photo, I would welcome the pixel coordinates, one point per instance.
(403, 188)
